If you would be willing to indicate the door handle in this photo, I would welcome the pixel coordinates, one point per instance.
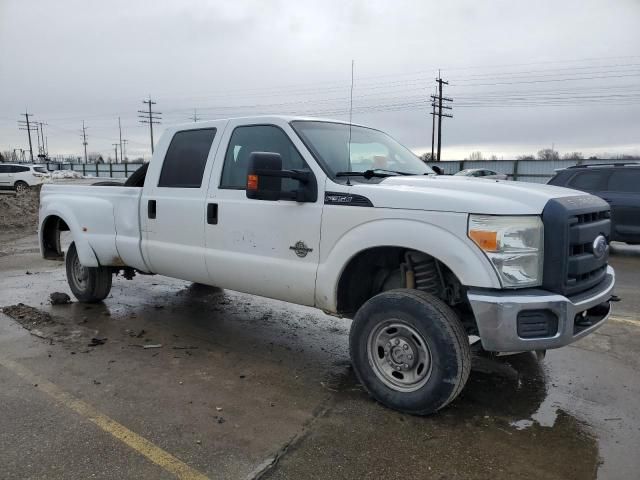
(151, 209)
(212, 213)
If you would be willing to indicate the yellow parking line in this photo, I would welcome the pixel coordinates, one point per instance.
(630, 321)
(140, 444)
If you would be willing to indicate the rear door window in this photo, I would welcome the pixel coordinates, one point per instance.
(625, 180)
(4, 168)
(19, 169)
(186, 158)
(591, 181)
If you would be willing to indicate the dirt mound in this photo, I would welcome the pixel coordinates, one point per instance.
(20, 211)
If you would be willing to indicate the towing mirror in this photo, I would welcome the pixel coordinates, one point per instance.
(264, 180)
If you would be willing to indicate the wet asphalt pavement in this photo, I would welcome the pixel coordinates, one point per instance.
(244, 387)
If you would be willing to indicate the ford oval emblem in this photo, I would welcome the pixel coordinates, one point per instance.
(599, 246)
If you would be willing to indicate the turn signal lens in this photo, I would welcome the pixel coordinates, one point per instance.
(486, 240)
(252, 182)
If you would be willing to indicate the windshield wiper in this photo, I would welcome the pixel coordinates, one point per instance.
(378, 172)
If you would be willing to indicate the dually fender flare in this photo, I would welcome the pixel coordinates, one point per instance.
(464, 259)
(86, 255)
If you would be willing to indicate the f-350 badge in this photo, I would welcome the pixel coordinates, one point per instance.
(301, 249)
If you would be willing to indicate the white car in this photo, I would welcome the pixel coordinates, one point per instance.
(277, 207)
(19, 177)
(481, 173)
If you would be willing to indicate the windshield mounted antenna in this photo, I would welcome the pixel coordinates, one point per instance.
(350, 121)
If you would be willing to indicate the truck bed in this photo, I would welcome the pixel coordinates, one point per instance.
(104, 221)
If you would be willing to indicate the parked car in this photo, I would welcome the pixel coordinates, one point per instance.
(481, 173)
(618, 184)
(19, 177)
(272, 206)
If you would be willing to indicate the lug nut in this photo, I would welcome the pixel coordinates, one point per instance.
(405, 346)
(406, 366)
(410, 357)
(397, 342)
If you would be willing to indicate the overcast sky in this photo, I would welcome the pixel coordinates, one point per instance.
(523, 75)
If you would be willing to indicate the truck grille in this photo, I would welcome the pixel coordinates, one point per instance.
(571, 226)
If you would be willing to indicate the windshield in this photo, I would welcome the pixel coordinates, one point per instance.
(370, 149)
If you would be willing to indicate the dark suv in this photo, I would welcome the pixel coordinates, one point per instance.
(618, 184)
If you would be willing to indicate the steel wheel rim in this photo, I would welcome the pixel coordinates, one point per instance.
(79, 274)
(399, 355)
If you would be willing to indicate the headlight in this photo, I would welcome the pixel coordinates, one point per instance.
(513, 244)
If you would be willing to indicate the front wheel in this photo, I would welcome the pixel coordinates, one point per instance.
(88, 284)
(410, 351)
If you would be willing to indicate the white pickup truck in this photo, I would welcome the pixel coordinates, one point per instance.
(345, 219)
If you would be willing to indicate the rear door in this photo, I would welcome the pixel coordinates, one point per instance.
(623, 194)
(267, 248)
(4, 175)
(172, 206)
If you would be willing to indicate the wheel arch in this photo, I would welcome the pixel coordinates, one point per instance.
(49, 238)
(459, 255)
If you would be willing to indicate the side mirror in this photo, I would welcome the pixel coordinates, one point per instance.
(264, 180)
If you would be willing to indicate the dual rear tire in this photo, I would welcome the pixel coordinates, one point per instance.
(410, 351)
(88, 284)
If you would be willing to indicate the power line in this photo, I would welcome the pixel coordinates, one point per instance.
(153, 117)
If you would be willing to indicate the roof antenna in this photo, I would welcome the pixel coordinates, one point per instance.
(350, 120)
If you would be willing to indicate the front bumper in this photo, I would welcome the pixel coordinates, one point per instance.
(499, 315)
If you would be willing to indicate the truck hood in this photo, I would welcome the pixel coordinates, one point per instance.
(461, 194)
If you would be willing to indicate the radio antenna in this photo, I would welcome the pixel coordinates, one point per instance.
(350, 120)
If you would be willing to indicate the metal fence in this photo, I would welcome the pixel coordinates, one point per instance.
(107, 170)
(537, 171)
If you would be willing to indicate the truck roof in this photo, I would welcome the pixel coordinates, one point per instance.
(266, 118)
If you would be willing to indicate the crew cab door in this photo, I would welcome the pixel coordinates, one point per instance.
(172, 206)
(267, 248)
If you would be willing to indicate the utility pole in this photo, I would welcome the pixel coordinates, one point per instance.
(25, 125)
(433, 127)
(120, 130)
(150, 117)
(84, 141)
(44, 147)
(123, 149)
(439, 99)
(115, 147)
(194, 118)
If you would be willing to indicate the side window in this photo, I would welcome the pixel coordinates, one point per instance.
(625, 180)
(186, 158)
(4, 168)
(588, 181)
(258, 138)
(19, 169)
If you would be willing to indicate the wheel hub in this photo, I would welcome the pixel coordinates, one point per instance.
(399, 355)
